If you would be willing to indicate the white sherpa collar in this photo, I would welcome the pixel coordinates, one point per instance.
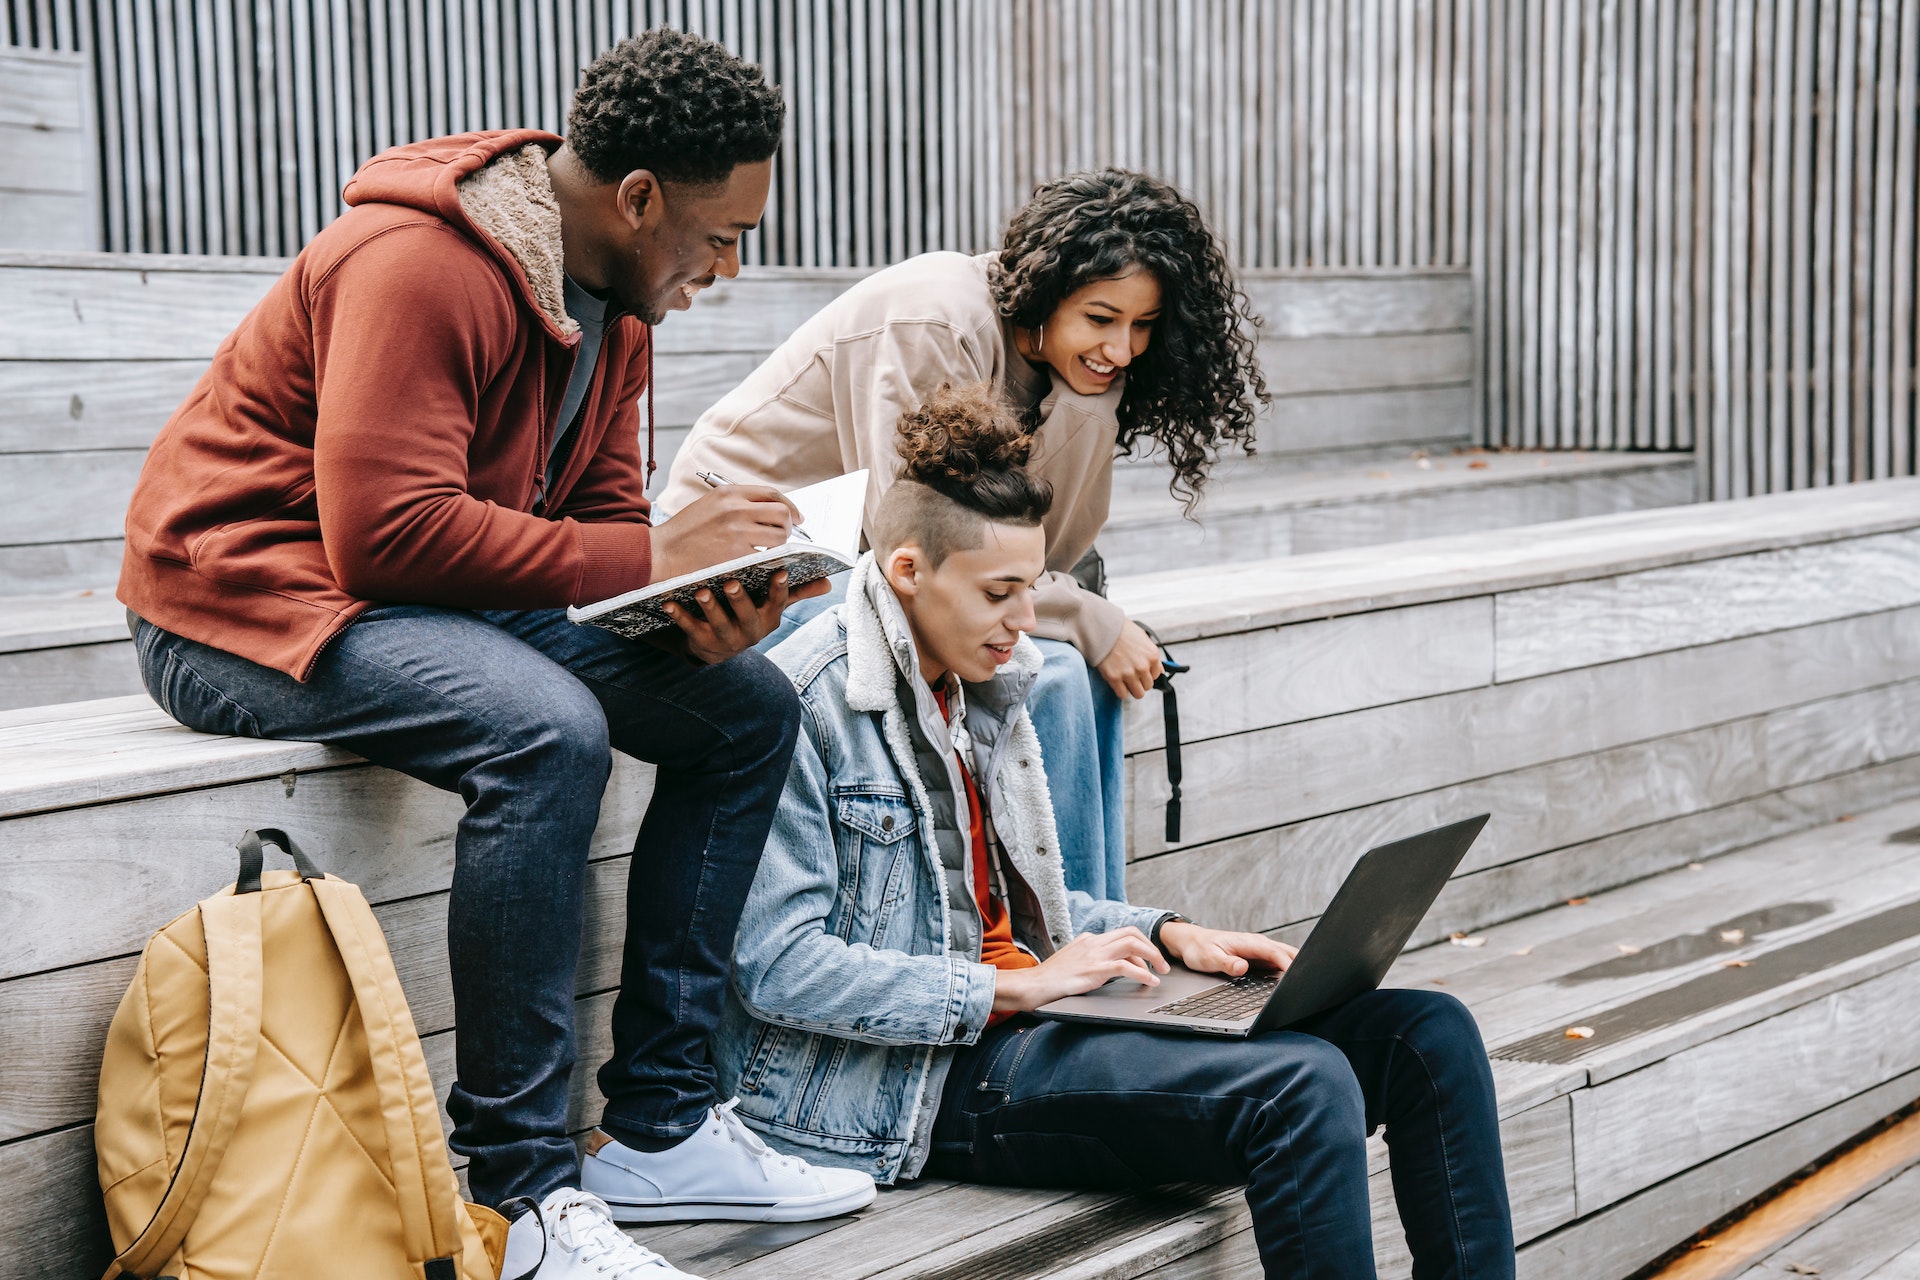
(511, 199)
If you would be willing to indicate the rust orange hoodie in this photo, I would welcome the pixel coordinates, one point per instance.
(377, 427)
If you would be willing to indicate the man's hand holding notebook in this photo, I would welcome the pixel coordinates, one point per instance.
(727, 518)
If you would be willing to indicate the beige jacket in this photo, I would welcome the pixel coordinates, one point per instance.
(829, 401)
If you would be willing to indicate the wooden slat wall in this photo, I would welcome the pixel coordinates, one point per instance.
(49, 174)
(1693, 225)
(915, 124)
(1699, 232)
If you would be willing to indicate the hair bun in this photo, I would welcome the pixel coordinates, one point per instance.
(960, 434)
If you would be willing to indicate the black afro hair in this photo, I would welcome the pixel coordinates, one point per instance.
(674, 104)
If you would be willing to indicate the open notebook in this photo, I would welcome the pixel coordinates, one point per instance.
(831, 512)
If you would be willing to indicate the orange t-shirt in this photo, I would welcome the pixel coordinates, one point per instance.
(997, 946)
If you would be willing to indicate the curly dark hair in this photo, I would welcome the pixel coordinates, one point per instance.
(965, 443)
(1197, 386)
(963, 460)
(675, 104)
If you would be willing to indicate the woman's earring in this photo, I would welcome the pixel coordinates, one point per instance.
(1040, 340)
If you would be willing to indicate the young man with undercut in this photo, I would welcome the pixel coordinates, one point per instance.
(363, 527)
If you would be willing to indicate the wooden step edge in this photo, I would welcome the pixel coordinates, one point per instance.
(1114, 1237)
(1801, 1207)
(1202, 1228)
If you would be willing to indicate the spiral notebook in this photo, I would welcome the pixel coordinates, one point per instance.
(831, 514)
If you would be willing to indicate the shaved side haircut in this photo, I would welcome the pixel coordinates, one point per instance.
(965, 465)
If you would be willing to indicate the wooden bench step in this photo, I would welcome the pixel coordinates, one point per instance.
(1254, 513)
(71, 647)
(64, 648)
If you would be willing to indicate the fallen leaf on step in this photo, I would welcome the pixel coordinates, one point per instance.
(1696, 866)
(1425, 464)
(1703, 1244)
(1627, 948)
(1439, 982)
(1847, 817)
(1733, 935)
(1802, 1269)
(1576, 902)
(1459, 939)
(1476, 466)
(1379, 475)
(1524, 951)
(1579, 1033)
(1735, 964)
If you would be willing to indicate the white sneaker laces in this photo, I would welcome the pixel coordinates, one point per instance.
(736, 1129)
(585, 1228)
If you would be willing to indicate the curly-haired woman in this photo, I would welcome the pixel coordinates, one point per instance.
(1111, 322)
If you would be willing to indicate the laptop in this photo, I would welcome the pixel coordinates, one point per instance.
(1355, 942)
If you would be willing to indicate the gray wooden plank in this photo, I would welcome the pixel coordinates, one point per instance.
(1904, 1265)
(1608, 619)
(39, 677)
(1343, 420)
(1236, 1256)
(50, 160)
(1634, 1231)
(64, 405)
(1854, 1243)
(1296, 304)
(39, 568)
(1580, 809)
(66, 1238)
(48, 219)
(1540, 498)
(55, 313)
(1641, 1128)
(42, 88)
(1513, 890)
(67, 497)
(1179, 605)
(1278, 676)
(1332, 763)
(386, 833)
(1299, 365)
(35, 622)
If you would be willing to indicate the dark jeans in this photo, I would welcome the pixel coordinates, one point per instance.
(1287, 1114)
(518, 712)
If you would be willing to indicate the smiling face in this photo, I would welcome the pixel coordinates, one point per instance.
(968, 611)
(678, 238)
(1097, 330)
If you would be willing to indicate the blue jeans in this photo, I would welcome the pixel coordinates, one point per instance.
(1078, 717)
(1287, 1114)
(519, 712)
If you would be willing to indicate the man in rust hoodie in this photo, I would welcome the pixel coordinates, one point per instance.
(363, 527)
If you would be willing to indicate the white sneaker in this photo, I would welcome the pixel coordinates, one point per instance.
(722, 1171)
(572, 1237)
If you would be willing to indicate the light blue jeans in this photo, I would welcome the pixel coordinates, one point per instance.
(1077, 715)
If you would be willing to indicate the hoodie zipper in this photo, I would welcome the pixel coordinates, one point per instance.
(544, 445)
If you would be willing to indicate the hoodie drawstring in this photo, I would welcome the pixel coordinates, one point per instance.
(647, 484)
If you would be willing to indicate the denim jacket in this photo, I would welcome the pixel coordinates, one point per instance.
(848, 996)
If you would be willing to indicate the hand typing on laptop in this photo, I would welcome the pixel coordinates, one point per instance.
(1092, 960)
(1219, 951)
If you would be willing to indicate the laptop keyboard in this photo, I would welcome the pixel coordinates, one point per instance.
(1241, 998)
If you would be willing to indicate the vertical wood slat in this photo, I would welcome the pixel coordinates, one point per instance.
(1692, 224)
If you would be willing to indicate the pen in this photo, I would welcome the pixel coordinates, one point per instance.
(714, 480)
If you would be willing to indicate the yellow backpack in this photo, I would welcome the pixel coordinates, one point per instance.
(265, 1109)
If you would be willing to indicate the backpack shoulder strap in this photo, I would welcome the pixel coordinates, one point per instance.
(232, 928)
(423, 1177)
